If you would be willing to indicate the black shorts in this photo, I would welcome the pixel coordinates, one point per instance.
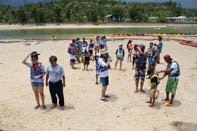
(91, 52)
(72, 60)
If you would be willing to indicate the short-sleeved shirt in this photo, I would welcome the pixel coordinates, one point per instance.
(103, 64)
(150, 50)
(159, 49)
(55, 73)
(36, 71)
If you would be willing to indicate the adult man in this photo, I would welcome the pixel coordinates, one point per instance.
(56, 77)
(173, 72)
(140, 70)
(159, 48)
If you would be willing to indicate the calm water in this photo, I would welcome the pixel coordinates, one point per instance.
(72, 33)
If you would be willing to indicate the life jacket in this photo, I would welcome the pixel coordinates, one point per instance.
(120, 52)
(36, 71)
(153, 84)
(153, 58)
(174, 73)
(71, 51)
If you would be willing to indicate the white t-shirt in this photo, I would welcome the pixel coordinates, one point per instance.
(72, 57)
(97, 43)
(55, 73)
(133, 51)
(103, 64)
(174, 66)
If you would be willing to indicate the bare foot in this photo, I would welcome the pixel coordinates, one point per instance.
(136, 91)
(148, 101)
(143, 91)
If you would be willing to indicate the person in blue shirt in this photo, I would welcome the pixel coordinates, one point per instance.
(159, 48)
(37, 81)
(140, 70)
(119, 55)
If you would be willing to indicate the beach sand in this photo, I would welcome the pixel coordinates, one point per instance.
(84, 111)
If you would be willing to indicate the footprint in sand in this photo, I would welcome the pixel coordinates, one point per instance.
(185, 126)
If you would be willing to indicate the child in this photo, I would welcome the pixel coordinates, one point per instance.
(103, 73)
(37, 74)
(134, 53)
(86, 59)
(153, 60)
(129, 47)
(72, 51)
(91, 47)
(153, 82)
(119, 55)
(56, 77)
(97, 67)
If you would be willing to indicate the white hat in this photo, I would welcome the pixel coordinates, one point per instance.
(120, 44)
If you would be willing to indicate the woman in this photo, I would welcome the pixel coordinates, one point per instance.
(37, 73)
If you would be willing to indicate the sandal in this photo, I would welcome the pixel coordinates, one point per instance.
(169, 104)
(107, 96)
(36, 107)
(104, 99)
(165, 100)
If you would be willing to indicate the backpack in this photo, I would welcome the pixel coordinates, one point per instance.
(174, 74)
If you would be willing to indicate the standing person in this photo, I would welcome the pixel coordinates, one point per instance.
(37, 73)
(159, 48)
(97, 67)
(134, 53)
(129, 47)
(97, 45)
(150, 48)
(103, 42)
(91, 47)
(140, 70)
(119, 55)
(173, 72)
(152, 60)
(56, 80)
(78, 46)
(104, 66)
(86, 59)
(72, 51)
(84, 45)
(153, 83)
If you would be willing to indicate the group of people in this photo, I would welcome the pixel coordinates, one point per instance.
(97, 50)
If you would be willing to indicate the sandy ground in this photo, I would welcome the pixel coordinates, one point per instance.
(84, 111)
(68, 26)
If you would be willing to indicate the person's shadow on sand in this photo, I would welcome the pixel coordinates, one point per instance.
(67, 107)
(113, 98)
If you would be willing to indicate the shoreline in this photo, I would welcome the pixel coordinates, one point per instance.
(87, 25)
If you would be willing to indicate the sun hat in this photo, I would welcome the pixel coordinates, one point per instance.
(120, 44)
(34, 53)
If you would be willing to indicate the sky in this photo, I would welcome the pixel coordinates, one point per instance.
(185, 3)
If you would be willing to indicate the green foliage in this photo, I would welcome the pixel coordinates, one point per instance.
(92, 11)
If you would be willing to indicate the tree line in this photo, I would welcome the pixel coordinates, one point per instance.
(92, 11)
